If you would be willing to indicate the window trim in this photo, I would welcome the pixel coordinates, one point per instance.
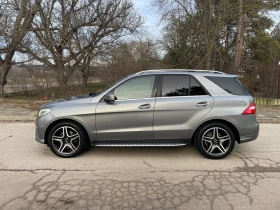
(159, 92)
(205, 90)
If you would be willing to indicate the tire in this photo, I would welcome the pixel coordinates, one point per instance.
(215, 140)
(67, 139)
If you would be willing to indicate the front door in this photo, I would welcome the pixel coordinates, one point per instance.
(130, 116)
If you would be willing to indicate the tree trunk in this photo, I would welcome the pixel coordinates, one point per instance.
(84, 80)
(2, 93)
(62, 76)
(4, 69)
(208, 34)
(85, 75)
(86, 70)
(62, 83)
(239, 38)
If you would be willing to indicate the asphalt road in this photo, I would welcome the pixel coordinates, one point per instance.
(31, 177)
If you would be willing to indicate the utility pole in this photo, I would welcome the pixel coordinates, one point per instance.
(278, 86)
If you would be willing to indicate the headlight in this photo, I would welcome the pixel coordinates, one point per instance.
(43, 112)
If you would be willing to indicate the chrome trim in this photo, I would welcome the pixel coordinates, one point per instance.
(182, 70)
(139, 145)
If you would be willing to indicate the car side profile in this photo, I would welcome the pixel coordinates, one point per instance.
(153, 108)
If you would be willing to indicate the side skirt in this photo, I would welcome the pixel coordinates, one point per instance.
(120, 143)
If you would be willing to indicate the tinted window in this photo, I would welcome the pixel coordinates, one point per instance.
(230, 84)
(141, 87)
(175, 85)
(196, 88)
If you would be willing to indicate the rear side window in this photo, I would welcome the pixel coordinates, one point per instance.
(173, 85)
(181, 85)
(230, 84)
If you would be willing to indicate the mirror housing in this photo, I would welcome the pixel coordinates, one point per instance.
(109, 98)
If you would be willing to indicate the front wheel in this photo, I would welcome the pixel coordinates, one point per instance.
(215, 140)
(67, 139)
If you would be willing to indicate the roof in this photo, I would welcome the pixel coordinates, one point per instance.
(186, 71)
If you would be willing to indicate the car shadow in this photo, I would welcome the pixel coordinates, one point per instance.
(151, 151)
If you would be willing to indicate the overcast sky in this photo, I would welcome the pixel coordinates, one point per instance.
(151, 16)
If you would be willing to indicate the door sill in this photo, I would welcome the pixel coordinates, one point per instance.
(145, 142)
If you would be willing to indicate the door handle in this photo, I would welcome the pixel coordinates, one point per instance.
(202, 104)
(145, 106)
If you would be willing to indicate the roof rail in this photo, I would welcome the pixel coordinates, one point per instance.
(210, 71)
(186, 70)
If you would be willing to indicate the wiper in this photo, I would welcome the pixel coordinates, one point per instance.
(92, 94)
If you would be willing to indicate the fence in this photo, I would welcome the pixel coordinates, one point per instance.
(267, 101)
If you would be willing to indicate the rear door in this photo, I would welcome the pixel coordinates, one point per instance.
(181, 102)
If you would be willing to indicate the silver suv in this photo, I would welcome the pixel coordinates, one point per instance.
(158, 107)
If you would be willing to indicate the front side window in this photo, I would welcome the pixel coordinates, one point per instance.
(175, 85)
(141, 87)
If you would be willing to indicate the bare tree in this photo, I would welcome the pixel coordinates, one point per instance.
(16, 17)
(68, 32)
(130, 57)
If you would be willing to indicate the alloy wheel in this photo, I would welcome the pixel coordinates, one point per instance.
(216, 141)
(66, 140)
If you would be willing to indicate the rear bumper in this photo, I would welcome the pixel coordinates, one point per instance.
(252, 133)
(244, 139)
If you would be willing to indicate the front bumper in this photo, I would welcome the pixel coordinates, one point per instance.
(41, 127)
(37, 138)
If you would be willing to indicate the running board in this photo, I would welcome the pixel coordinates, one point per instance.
(139, 145)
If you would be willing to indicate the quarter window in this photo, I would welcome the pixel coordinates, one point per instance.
(141, 87)
(230, 84)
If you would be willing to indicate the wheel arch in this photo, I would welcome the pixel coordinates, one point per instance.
(64, 120)
(230, 125)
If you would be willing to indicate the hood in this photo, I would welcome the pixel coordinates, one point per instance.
(80, 99)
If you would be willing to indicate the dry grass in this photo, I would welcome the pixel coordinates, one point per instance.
(32, 99)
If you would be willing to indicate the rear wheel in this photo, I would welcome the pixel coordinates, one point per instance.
(67, 139)
(215, 140)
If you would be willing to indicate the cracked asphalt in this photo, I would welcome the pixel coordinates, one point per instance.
(31, 177)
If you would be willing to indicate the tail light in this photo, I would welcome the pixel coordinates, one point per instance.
(250, 109)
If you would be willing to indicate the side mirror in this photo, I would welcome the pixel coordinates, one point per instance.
(109, 98)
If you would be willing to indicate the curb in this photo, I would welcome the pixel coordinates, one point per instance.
(269, 120)
(17, 118)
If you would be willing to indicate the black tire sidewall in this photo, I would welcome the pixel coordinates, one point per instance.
(83, 139)
(198, 142)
